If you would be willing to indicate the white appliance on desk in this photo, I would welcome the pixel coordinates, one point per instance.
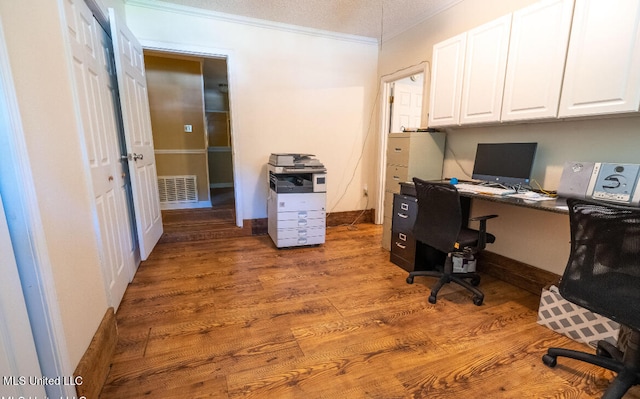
(297, 200)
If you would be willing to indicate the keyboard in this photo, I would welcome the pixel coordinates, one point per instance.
(480, 189)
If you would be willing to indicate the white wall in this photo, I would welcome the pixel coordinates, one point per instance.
(290, 92)
(44, 94)
(537, 238)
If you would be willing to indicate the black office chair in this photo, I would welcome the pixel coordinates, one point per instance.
(439, 225)
(603, 275)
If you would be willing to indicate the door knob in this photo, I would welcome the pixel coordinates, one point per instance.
(132, 157)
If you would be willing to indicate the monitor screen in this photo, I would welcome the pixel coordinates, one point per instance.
(504, 163)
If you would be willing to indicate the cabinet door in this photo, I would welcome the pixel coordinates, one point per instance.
(602, 74)
(447, 66)
(484, 71)
(537, 53)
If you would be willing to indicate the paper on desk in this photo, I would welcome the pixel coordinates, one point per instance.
(532, 199)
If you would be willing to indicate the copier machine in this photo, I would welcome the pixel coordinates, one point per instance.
(297, 200)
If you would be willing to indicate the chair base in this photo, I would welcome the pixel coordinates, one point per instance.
(626, 364)
(445, 278)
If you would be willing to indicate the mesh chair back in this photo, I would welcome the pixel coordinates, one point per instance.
(603, 272)
(439, 215)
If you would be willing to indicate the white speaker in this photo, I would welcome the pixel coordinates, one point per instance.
(616, 182)
(576, 179)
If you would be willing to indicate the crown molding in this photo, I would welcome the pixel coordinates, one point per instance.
(237, 19)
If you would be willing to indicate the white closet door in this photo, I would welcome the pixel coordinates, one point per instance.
(602, 74)
(100, 128)
(484, 71)
(537, 53)
(134, 100)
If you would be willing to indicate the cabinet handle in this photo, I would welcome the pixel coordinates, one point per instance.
(397, 149)
(404, 206)
(402, 236)
(402, 215)
(401, 246)
(396, 177)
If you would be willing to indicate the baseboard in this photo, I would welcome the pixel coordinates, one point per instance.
(96, 361)
(184, 205)
(350, 217)
(260, 226)
(522, 275)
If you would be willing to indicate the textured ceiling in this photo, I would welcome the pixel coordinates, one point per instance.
(370, 18)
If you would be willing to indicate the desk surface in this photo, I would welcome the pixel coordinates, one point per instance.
(558, 205)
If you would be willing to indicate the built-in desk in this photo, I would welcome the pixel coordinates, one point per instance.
(410, 255)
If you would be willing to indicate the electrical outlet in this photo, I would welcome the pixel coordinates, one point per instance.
(188, 128)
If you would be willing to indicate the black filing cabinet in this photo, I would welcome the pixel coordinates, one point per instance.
(406, 251)
(403, 244)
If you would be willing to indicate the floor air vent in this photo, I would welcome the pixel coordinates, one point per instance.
(177, 189)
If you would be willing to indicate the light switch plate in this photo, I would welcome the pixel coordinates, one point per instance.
(188, 128)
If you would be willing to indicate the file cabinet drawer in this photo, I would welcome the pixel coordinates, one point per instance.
(405, 210)
(395, 176)
(398, 151)
(403, 250)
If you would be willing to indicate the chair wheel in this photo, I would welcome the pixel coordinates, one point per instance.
(602, 352)
(549, 360)
(432, 299)
(410, 280)
(475, 281)
(477, 300)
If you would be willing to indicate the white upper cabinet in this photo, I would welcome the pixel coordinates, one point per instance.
(484, 72)
(603, 61)
(446, 81)
(537, 53)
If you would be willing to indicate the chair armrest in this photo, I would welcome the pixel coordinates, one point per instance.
(486, 217)
(482, 239)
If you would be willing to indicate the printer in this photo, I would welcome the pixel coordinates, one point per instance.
(297, 200)
(296, 173)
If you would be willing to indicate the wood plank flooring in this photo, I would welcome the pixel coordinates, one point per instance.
(239, 318)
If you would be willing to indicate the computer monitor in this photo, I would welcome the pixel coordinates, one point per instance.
(504, 163)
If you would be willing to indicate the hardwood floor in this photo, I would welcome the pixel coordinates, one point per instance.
(218, 221)
(238, 318)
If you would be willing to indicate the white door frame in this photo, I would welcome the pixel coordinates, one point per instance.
(385, 118)
(18, 356)
(210, 52)
(28, 238)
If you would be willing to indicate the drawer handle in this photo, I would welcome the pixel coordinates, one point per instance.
(401, 246)
(402, 215)
(398, 149)
(402, 236)
(396, 177)
(404, 206)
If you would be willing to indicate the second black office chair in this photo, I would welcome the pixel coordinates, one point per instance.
(603, 275)
(439, 225)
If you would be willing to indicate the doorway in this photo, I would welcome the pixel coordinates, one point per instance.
(191, 121)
